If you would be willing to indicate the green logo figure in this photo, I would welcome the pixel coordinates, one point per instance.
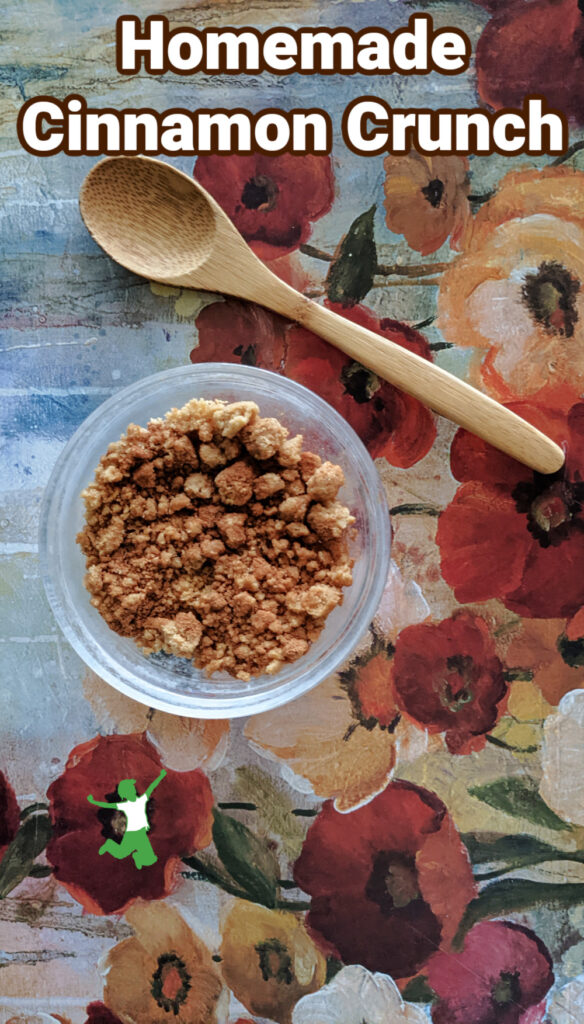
(135, 840)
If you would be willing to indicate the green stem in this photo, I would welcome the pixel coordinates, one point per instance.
(383, 269)
(237, 806)
(414, 510)
(440, 346)
(507, 746)
(317, 254)
(570, 152)
(410, 269)
(477, 200)
(531, 862)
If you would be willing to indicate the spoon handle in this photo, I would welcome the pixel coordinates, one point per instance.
(432, 385)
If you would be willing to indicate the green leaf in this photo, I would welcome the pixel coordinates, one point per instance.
(207, 870)
(32, 809)
(40, 871)
(513, 852)
(521, 799)
(29, 841)
(251, 864)
(509, 849)
(516, 895)
(419, 991)
(351, 272)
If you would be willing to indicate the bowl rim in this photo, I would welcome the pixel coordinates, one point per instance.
(89, 649)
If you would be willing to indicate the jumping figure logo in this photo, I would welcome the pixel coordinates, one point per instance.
(135, 841)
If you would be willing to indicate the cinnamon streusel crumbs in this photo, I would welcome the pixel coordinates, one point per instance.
(211, 535)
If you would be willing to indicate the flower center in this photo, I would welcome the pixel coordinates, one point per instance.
(393, 883)
(274, 961)
(260, 193)
(433, 192)
(507, 989)
(456, 688)
(113, 822)
(170, 983)
(359, 382)
(550, 296)
(550, 507)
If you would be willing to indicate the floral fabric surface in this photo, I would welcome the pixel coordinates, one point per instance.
(406, 842)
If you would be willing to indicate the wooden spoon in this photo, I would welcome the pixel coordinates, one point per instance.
(159, 223)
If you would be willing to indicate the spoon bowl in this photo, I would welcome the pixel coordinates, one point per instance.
(126, 211)
(161, 224)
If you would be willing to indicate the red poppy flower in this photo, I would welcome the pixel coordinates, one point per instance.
(515, 534)
(503, 971)
(534, 47)
(390, 423)
(389, 882)
(179, 815)
(270, 199)
(241, 332)
(98, 1013)
(9, 814)
(448, 678)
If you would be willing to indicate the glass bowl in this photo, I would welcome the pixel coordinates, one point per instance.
(174, 684)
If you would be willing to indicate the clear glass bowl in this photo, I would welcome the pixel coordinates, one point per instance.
(174, 684)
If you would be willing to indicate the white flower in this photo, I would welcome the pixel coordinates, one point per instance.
(562, 784)
(567, 1005)
(355, 995)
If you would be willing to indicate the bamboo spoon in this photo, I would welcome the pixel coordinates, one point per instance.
(161, 224)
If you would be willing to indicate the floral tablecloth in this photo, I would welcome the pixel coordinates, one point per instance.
(406, 842)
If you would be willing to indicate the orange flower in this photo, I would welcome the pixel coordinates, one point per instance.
(536, 650)
(426, 199)
(517, 293)
(184, 743)
(343, 735)
(163, 972)
(269, 960)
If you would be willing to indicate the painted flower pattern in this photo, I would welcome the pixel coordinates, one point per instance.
(449, 678)
(355, 995)
(503, 972)
(515, 534)
(435, 779)
(390, 884)
(390, 423)
(269, 960)
(163, 972)
(272, 200)
(179, 817)
(426, 199)
(516, 293)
